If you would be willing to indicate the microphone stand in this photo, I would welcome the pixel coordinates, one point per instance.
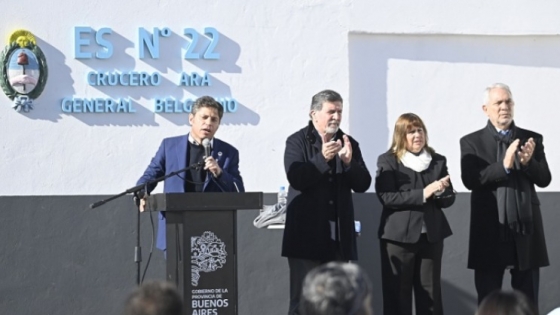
(137, 197)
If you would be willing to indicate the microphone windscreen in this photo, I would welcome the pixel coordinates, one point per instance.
(207, 148)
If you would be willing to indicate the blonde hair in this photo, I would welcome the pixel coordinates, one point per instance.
(404, 124)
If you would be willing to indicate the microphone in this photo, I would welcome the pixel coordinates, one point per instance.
(207, 147)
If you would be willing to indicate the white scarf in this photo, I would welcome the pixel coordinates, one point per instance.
(418, 162)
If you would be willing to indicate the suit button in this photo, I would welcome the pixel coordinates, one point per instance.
(330, 172)
(330, 179)
(330, 202)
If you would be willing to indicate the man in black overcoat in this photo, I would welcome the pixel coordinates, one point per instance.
(501, 164)
(323, 166)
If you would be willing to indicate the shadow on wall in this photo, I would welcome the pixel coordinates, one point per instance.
(170, 64)
(370, 57)
(47, 105)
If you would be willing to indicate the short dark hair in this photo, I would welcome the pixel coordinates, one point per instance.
(336, 289)
(506, 303)
(154, 298)
(207, 101)
(322, 97)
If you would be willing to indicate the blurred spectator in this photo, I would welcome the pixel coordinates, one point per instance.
(336, 288)
(506, 303)
(154, 298)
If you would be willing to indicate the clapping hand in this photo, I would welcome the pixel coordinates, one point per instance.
(437, 186)
(330, 148)
(509, 157)
(527, 151)
(345, 153)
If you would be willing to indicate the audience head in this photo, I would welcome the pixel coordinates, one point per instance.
(336, 289)
(506, 303)
(154, 298)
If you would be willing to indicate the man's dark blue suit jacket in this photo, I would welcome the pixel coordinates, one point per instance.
(172, 156)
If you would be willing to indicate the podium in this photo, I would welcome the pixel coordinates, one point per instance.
(201, 235)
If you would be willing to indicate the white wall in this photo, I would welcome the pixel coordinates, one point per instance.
(384, 57)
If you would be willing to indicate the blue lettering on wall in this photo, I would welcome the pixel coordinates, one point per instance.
(146, 40)
(229, 104)
(124, 79)
(107, 46)
(90, 43)
(82, 40)
(96, 105)
(79, 41)
(209, 53)
(195, 79)
(215, 36)
(170, 105)
(151, 41)
(191, 32)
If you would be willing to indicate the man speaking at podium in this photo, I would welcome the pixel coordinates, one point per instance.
(213, 165)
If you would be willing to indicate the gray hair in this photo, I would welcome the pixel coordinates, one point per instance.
(322, 97)
(336, 289)
(496, 86)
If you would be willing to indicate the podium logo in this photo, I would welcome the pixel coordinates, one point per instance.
(208, 254)
(23, 70)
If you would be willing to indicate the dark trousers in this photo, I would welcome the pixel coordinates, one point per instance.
(408, 268)
(298, 270)
(526, 281)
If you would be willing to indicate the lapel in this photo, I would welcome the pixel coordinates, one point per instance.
(405, 178)
(313, 137)
(181, 152)
(412, 175)
(432, 173)
(489, 145)
(521, 135)
(218, 152)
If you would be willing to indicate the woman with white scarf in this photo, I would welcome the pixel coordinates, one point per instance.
(413, 186)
